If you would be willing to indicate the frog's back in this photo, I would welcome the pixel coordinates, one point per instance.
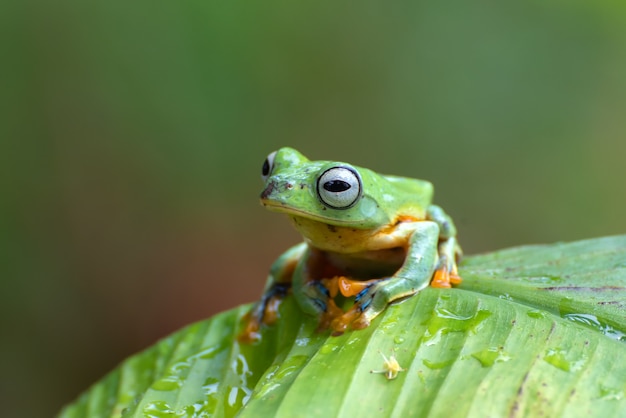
(414, 196)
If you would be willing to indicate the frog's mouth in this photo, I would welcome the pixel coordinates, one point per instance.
(282, 207)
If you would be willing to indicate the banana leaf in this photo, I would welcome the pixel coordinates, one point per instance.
(531, 331)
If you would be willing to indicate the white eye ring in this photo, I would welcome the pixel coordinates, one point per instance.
(339, 187)
(268, 166)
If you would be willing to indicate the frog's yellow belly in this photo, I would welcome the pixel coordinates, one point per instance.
(362, 244)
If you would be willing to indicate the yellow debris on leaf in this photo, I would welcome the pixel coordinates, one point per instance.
(391, 367)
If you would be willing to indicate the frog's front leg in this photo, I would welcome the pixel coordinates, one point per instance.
(446, 273)
(278, 284)
(449, 250)
(414, 275)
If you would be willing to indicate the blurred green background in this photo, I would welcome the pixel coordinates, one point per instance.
(132, 138)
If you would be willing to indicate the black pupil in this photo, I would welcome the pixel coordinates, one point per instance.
(266, 168)
(336, 186)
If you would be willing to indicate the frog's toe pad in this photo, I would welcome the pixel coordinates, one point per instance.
(350, 288)
(455, 278)
(270, 313)
(360, 323)
(341, 323)
(250, 333)
(329, 316)
(444, 278)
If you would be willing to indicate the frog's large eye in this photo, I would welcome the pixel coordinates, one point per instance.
(339, 187)
(268, 165)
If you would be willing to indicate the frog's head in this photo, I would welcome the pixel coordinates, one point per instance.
(332, 193)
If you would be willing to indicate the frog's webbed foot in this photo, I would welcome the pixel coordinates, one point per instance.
(362, 312)
(446, 274)
(327, 317)
(263, 312)
(321, 297)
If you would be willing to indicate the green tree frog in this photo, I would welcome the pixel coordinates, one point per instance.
(376, 238)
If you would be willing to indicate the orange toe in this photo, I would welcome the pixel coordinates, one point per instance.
(251, 332)
(270, 315)
(333, 312)
(455, 278)
(331, 285)
(441, 279)
(349, 287)
(340, 324)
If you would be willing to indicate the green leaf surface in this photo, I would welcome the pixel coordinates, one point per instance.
(531, 331)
